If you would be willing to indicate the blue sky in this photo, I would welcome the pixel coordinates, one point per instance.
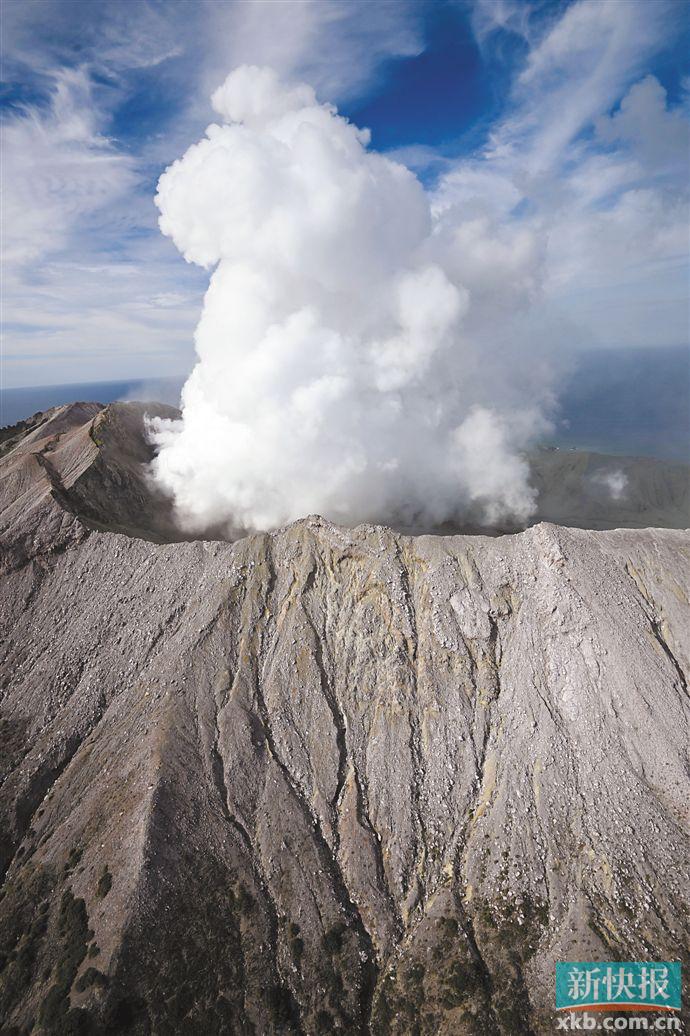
(568, 120)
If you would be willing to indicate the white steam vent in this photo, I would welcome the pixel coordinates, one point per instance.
(359, 355)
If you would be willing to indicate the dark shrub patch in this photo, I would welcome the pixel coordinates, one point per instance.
(73, 930)
(91, 977)
(105, 883)
(333, 938)
(281, 1005)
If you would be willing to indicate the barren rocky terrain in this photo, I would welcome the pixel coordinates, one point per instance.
(324, 780)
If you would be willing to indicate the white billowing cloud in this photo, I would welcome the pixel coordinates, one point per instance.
(358, 356)
(255, 95)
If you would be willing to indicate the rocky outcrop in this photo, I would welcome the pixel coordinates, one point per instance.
(335, 780)
(78, 467)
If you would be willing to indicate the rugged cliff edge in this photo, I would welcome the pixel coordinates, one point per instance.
(325, 780)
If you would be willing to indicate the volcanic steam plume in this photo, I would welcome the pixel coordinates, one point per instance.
(360, 354)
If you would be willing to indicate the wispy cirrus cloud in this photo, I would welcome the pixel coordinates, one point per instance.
(591, 159)
(58, 169)
(99, 98)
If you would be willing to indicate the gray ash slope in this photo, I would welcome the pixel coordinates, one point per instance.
(324, 780)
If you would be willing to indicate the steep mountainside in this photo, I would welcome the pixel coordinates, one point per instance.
(325, 780)
(81, 460)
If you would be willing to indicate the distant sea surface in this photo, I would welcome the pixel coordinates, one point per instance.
(633, 402)
(19, 403)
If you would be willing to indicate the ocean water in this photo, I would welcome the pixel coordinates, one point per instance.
(633, 402)
(19, 403)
